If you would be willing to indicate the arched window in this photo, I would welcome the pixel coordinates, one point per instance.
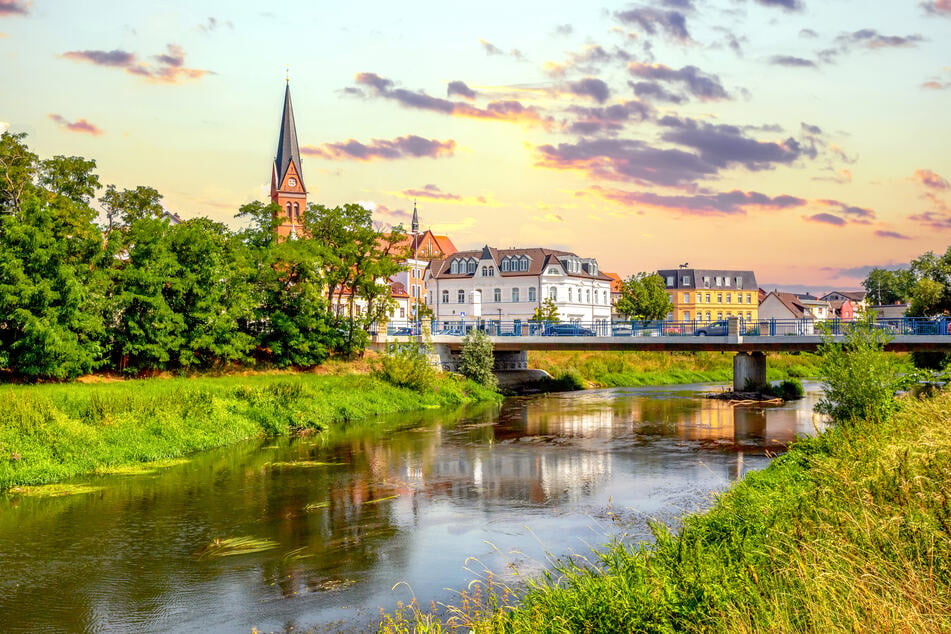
(445, 297)
(491, 271)
(497, 295)
(454, 267)
(570, 294)
(296, 211)
(587, 295)
(485, 271)
(289, 216)
(472, 266)
(505, 265)
(461, 297)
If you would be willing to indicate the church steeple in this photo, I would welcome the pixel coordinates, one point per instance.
(287, 182)
(414, 225)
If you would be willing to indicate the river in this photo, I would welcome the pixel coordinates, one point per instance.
(347, 523)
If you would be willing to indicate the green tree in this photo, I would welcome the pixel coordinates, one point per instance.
(888, 287)
(51, 280)
(547, 312)
(859, 378)
(644, 296)
(476, 359)
(407, 365)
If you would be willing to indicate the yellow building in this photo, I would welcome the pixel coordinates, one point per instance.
(705, 295)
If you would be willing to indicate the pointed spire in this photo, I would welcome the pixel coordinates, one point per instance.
(287, 148)
(414, 226)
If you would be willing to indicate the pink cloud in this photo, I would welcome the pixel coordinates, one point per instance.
(82, 126)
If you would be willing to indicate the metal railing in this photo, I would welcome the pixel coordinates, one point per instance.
(666, 328)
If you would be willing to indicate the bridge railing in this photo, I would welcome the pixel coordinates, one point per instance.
(667, 328)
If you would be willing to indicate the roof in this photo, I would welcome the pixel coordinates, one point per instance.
(696, 276)
(855, 296)
(397, 289)
(445, 244)
(287, 148)
(616, 281)
(795, 305)
(539, 259)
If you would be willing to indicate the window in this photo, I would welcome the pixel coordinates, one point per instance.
(749, 298)
(670, 281)
(497, 295)
(472, 266)
(505, 265)
(670, 296)
(687, 316)
(587, 295)
(605, 297)
(726, 281)
(289, 212)
(708, 316)
(402, 313)
(739, 282)
(553, 293)
(686, 298)
(491, 271)
(685, 280)
(445, 297)
(531, 293)
(749, 315)
(515, 295)
(718, 281)
(461, 297)
(454, 267)
(708, 298)
(706, 282)
(719, 316)
(729, 298)
(719, 298)
(570, 297)
(297, 210)
(485, 271)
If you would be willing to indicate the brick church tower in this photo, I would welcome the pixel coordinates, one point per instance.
(287, 183)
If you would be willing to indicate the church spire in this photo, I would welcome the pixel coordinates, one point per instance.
(287, 182)
(414, 225)
(287, 148)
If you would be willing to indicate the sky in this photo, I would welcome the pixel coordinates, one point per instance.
(807, 140)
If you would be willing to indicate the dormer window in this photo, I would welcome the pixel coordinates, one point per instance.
(472, 266)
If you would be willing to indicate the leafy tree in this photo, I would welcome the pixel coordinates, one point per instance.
(407, 365)
(860, 379)
(547, 312)
(888, 287)
(644, 296)
(51, 282)
(71, 177)
(476, 359)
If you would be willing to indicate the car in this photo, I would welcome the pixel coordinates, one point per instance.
(405, 331)
(567, 330)
(455, 332)
(713, 329)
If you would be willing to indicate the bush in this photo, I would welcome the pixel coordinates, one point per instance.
(407, 365)
(476, 360)
(788, 390)
(859, 377)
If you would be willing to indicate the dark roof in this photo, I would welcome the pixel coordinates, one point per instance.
(539, 258)
(697, 275)
(287, 148)
(855, 296)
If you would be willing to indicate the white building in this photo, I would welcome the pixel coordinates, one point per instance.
(509, 284)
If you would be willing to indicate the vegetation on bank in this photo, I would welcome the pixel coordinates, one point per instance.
(52, 432)
(630, 369)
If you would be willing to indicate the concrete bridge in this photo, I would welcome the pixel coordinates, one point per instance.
(750, 351)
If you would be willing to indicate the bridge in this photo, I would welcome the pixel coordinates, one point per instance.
(750, 342)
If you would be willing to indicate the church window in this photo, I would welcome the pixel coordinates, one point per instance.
(289, 211)
(297, 211)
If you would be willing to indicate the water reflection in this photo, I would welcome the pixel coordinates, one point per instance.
(352, 514)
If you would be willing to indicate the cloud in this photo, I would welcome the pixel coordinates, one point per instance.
(213, 24)
(653, 91)
(588, 60)
(827, 219)
(808, 33)
(460, 88)
(937, 7)
(81, 126)
(651, 20)
(14, 7)
(860, 215)
(399, 215)
(868, 39)
(930, 180)
(564, 29)
(511, 111)
(792, 62)
(841, 176)
(699, 84)
(432, 192)
(724, 145)
(490, 48)
(734, 202)
(936, 85)
(591, 87)
(788, 5)
(891, 234)
(410, 146)
(169, 68)
(610, 119)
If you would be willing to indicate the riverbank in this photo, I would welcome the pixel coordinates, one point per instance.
(52, 432)
(848, 531)
(633, 369)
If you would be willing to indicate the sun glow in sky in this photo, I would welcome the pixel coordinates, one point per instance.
(807, 140)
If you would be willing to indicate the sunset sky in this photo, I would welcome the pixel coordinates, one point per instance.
(807, 140)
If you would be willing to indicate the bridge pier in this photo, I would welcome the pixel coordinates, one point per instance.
(749, 371)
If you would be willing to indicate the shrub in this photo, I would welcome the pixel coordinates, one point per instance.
(788, 390)
(407, 365)
(476, 360)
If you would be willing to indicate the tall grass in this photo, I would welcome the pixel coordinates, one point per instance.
(52, 432)
(848, 531)
(628, 369)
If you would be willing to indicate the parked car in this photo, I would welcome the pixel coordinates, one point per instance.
(405, 331)
(454, 331)
(713, 329)
(567, 330)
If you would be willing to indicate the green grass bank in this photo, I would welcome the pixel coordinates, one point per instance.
(848, 531)
(52, 432)
(631, 369)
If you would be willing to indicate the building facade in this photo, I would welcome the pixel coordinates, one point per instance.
(507, 285)
(705, 295)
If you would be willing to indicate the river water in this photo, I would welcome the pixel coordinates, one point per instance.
(355, 521)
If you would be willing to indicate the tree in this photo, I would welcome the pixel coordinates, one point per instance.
(476, 360)
(888, 287)
(547, 312)
(18, 167)
(859, 378)
(644, 296)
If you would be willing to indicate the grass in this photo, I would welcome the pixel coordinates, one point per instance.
(848, 531)
(49, 433)
(630, 369)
